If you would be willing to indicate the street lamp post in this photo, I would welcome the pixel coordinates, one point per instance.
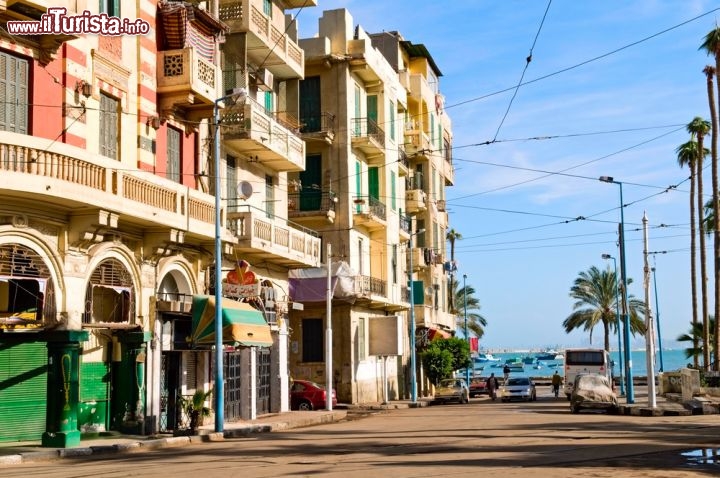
(617, 318)
(626, 319)
(467, 337)
(657, 319)
(413, 366)
(219, 391)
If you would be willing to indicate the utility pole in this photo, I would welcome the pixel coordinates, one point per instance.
(649, 333)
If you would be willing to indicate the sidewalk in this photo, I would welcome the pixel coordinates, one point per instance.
(111, 442)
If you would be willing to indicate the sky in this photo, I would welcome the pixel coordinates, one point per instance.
(608, 92)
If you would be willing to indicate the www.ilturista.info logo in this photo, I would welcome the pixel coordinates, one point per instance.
(56, 21)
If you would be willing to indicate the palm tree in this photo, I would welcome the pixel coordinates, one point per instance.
(711, 44)
(696, 331)
(596, 295)
(452, 235)
(686, 155)
(476, 322)
(698, 128)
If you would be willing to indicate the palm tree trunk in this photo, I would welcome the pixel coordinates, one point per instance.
(703, 254)
(716, 201)
(693, 254)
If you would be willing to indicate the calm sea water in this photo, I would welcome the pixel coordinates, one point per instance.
(671, 360)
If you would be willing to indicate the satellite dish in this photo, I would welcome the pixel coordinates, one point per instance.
(244, 190)
(429, 290)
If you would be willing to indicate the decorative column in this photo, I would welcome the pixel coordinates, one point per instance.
(128, 396)
(63, 388)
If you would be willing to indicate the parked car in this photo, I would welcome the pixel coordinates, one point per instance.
(451, 389)
(593, 391)
(308, 395)
(477, 386)
(518, 388)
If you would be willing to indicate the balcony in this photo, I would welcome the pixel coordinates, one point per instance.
(415, 201)
(448, 171)
(369, 138)
(187, 81)
(403, 163)
(73, 179)
(320, 128)
(263, 137)
(405, 226)
(366, 286)
(417, 142)
(312, 207)
(267, 42)
(369, 212)
(418, 259)
(273, 240)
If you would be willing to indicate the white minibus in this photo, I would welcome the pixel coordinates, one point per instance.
(585, 361)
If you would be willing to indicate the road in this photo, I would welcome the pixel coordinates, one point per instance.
(482, 438)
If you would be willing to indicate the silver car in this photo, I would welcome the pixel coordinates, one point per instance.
(518, 388)
(452, 389)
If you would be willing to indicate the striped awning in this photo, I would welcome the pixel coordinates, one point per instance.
(242, 324)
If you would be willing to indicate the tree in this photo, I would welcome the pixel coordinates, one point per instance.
(476, 322)
(596, 294)
(437, 362)
(711, 44)
(696, 332)
(452, 235)
(686, 156)
(698, 128)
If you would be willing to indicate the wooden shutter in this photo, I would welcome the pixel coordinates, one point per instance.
(13, 93)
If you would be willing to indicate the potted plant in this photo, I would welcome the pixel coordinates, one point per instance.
(196, 409)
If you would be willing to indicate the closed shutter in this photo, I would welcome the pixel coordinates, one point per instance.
(108, 126)
(23, 391)
(94, 396)
(173, 155)
(13, 93)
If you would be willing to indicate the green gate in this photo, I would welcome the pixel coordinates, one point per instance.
(94, 410)
(23, 390)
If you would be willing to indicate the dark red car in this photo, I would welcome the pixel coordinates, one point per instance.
(477, 386)
(307, 395)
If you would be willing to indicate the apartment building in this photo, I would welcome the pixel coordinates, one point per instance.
(107, 214)
(376, 167)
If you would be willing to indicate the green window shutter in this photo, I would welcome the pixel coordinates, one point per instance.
(418, 292)
(372, 107)
(374, 183)
(267, 8)
(393, 200)
(358, 184)
(269, 101)
(392, 121)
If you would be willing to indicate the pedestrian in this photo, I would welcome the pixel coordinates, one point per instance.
(506, 371)
(492, 385)
(556, 382)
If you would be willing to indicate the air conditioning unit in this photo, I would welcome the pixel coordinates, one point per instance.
(264, 79)
(441, 205)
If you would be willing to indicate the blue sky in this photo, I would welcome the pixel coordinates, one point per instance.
(612, 84)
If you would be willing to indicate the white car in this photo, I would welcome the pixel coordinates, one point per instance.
(518, 388)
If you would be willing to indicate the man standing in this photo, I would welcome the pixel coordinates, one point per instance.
(492, 384)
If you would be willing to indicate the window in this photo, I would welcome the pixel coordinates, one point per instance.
(310, 109)
(392, 121)
(13, 93)
(269, 197)
(267, 8)
(420, 225)
(312, 340)
(361, 353)
(173, 155)
(111, 7)
(109, 127)
(394, 270)
(231, 183)
(360, 257)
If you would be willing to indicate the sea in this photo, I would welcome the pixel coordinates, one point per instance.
(672, 359)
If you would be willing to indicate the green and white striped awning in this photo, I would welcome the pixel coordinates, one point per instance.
(242, 324)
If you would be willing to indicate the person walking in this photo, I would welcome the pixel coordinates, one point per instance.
(556, 382)
(492, 385)
(506, 371)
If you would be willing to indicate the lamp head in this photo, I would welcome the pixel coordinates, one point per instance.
(607, 256)
(606, 179)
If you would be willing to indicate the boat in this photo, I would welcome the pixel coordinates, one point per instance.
(485, 357)
(549, 355)
(529, 360)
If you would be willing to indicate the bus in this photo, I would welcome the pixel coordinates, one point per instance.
(585, 361)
